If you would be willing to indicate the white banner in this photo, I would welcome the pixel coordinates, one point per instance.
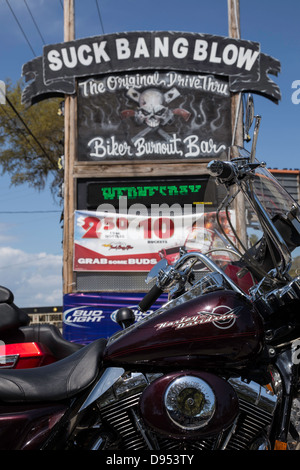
(128, 242)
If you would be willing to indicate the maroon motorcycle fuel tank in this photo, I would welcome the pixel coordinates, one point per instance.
(216, 329)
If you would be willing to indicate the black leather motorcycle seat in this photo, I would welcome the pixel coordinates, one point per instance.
(12, 317)
(54, 382)
(46, 334)
(52, 338)
(6, 295)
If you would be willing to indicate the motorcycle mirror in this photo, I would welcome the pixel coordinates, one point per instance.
(162, 264)
(249, 116)
(125, 317)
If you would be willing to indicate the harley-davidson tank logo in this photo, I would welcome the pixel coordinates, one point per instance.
(222, 317)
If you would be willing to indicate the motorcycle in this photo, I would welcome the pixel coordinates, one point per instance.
(215, 368)
(24, 345)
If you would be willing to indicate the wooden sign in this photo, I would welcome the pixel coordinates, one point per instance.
(153, 116)
(55, 73)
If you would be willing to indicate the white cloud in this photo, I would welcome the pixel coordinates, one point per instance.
(34, 279)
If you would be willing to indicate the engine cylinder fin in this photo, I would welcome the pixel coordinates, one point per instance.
(118, 416)
(254, 418)
(251, 423)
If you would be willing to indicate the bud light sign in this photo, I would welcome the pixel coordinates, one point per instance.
(89, 316)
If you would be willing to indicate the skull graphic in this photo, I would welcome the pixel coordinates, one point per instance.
(152, 109)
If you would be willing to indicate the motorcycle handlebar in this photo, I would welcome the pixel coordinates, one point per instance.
(156, 291)
(221, 169)
(150, 298)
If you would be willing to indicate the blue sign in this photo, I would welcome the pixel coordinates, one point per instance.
(89, 316)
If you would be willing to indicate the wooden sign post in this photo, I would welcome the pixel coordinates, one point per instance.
(237, 119)
(69, 158)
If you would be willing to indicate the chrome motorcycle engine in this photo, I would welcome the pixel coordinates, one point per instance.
(121, 413)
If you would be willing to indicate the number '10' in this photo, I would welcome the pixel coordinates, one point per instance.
(162, 227)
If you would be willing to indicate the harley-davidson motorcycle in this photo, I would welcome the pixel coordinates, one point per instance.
(217, 367)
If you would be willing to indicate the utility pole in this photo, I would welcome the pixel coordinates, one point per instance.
(236, 105)
(237, 118)
(69, 158)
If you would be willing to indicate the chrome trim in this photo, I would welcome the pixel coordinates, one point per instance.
(182, 399)
(255, 137)
(256, 394)
(108, 378)
(211, 265)
(9, 361)
(261, 443)
(143, 432)
(230, 433)
(276, 298)
(98, 444)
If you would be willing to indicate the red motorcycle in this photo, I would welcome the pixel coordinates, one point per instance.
(24, 346)
(215, 368)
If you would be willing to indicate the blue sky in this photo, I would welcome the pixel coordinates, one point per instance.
(30, 243)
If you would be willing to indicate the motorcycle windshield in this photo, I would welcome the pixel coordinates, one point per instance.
(280, 206)
(275, 199)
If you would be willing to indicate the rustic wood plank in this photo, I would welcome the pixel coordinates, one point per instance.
(96, 170)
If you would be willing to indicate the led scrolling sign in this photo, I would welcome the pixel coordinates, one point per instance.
(93, 192)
